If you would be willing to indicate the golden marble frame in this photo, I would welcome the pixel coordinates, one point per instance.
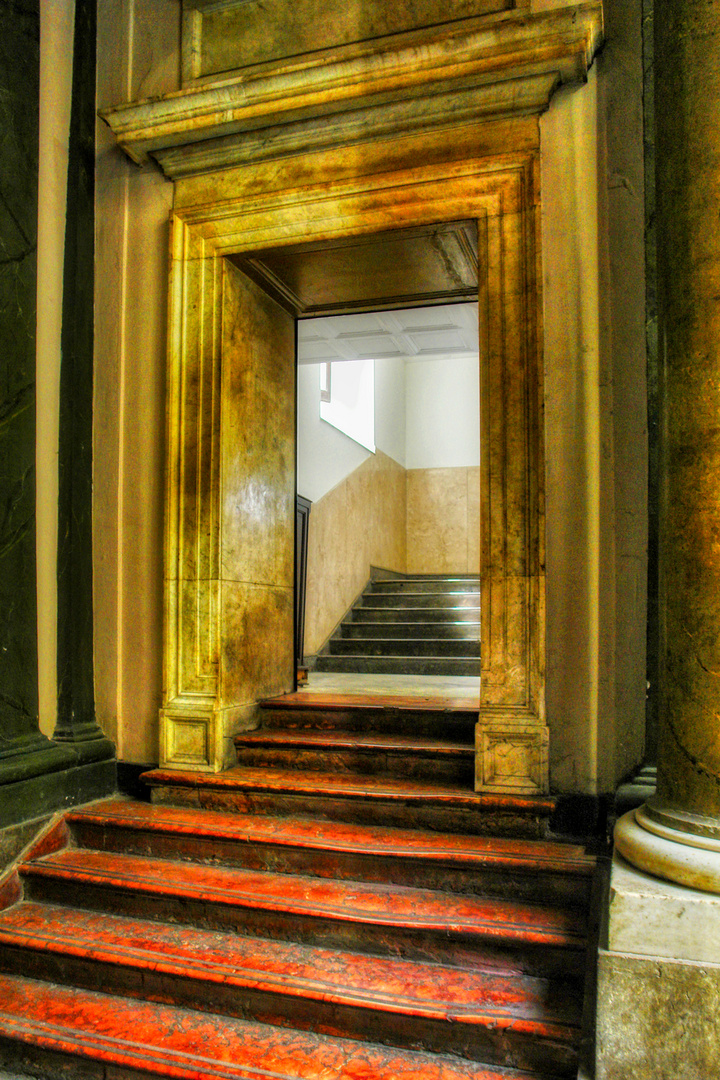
(501, 192)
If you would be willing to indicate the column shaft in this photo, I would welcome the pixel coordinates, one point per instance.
(677, 833)
(687, 39)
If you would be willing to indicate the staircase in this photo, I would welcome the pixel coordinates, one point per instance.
(341, 905)
(412, 625)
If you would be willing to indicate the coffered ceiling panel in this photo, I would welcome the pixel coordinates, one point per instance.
(410, 334)
(380, 270)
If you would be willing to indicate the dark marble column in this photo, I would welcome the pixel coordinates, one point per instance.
(24, 751)
(76, 725)
(39, 775)
(677, 833)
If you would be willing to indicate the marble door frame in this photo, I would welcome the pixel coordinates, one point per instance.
(500, 190)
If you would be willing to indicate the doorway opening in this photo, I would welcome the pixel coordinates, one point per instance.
(365, 307)
(392, 589)
(243, 272)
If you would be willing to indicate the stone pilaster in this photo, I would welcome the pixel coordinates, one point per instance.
(24, 752)
(677, 833)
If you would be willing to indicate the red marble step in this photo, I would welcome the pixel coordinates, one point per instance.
(360, 752)
(342, 797)
(439, 717)
(489, 1017)
(530, 869)
(41, 1023)
(416, 923)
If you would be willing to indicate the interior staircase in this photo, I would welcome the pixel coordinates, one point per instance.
(412, 625)
(340, 906)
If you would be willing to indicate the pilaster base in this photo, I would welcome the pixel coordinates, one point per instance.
(658, 980)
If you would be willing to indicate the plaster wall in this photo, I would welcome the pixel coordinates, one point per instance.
(595, 416)
(325, 455)
(443, 413)
(138, 56)
(56, 45)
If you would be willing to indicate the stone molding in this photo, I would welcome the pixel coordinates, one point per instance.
(494, 67)
(671, 847)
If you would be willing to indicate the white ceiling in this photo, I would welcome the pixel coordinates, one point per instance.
(420, 333)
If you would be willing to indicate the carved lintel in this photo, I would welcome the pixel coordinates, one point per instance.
(511, 65)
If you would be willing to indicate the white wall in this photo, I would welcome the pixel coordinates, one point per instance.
(390, 412)
(443, 413)
(325, 455)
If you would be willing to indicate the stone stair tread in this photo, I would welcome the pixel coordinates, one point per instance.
(350, 740)
(449, 848)
(167, 1040)
(338, 901)
(348, 786)
(399, 665)
(301, 700)
(412, 988)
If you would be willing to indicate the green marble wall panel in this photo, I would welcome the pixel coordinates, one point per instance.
(19, 96)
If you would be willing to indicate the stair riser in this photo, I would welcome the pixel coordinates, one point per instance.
(419, 599)
(451, 647)
(24, 1059)
(475, 1042)
(429, 585)
(361, 811)
(438, 769)
(463, 631)
(370, 614)
(455, 726)
(398, 665)
(433, 946)
(534, 885)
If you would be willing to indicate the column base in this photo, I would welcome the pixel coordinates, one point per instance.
(658, 980)
(87, 741)
(679, 847)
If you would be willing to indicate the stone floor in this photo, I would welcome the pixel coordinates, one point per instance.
(430, 686)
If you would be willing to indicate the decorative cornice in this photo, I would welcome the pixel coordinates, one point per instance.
(487, 67)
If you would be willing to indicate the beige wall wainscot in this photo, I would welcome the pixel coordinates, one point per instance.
(443, 521)
(359, 524)
(419, 521)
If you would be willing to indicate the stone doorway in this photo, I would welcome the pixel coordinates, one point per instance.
(230, 487)
(420, 124)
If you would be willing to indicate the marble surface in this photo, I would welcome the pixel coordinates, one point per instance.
(239, 34)
(443, 520)
(456, 687)
(19, 97)
(688, 189)
(358, 524)
(652, 917)
(656, 1019)
(513, 67)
